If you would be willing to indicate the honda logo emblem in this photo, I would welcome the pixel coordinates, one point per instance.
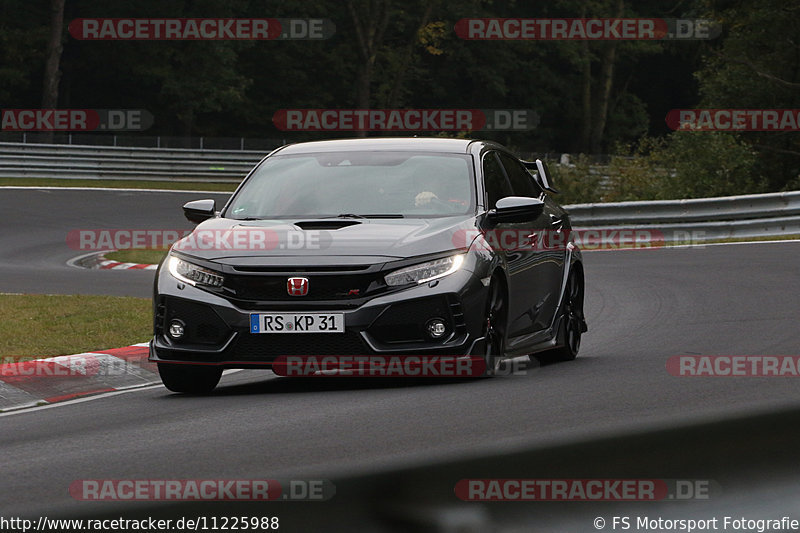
(297, 286)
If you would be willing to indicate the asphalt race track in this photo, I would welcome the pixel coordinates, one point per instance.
(33, 243)
(642, 307)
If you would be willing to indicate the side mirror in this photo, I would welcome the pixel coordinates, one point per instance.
(543, 176)
(199, 210)
(516, 209)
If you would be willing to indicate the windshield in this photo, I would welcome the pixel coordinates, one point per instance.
(357, 184)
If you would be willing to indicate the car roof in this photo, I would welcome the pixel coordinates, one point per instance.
(399, 144)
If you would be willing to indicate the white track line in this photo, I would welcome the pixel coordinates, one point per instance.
(50, 188)
(699, 245)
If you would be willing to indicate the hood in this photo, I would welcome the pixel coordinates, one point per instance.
(344, 241)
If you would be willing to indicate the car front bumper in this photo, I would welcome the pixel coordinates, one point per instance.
(218, 330)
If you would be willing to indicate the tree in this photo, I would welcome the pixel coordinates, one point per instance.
(52, 74)
(757, 65)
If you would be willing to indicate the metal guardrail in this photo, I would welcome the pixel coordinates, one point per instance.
(698, 219)
(136, 139)
(692, 210)
(20, 160)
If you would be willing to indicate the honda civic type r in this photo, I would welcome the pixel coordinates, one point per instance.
(371, 247)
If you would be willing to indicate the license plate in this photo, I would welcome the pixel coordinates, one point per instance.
(296, 323)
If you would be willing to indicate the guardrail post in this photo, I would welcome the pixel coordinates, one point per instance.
(201, 143)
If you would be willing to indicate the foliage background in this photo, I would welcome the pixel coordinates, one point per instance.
(409, 57)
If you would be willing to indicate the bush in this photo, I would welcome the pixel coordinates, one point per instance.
(712, 164)
(684, 165)
(577, 181)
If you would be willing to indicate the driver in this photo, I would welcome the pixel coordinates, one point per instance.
(448, 189)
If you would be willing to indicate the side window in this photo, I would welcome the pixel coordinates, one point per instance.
(494, 180)
(521, 181)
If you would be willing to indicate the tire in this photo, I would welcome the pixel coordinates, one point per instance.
(572, 323)
(189, 379)
(494, 330)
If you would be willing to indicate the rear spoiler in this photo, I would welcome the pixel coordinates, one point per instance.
(542, 176)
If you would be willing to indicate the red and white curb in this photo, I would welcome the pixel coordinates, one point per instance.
(45, 381)
(97, 260)
(108, 264)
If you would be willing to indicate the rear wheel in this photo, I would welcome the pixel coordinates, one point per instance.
(190, 379)
(494, 330)
(572, 323)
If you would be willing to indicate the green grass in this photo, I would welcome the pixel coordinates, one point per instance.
(118, 184)
(146, 256)
(37, 326)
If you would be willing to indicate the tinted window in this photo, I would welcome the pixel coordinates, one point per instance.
(521, 181)
(495, 181)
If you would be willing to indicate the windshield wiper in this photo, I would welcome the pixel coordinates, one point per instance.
(368, 215)
(348, 215)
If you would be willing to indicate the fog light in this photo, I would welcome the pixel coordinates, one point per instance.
(176, 329)
(436, 328)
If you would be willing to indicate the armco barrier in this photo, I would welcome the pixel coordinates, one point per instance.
(19, 160)
(781, 204)
(699, 219)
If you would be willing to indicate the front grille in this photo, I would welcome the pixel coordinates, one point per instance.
(270, 287)
(266, 347)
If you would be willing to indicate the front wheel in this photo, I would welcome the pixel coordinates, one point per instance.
(572, 324)
(494, 330)
(191, 379)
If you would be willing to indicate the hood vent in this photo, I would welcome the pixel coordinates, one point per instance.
(325, 224)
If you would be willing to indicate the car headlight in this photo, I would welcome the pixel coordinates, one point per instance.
(193, 274)
(425, 272)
